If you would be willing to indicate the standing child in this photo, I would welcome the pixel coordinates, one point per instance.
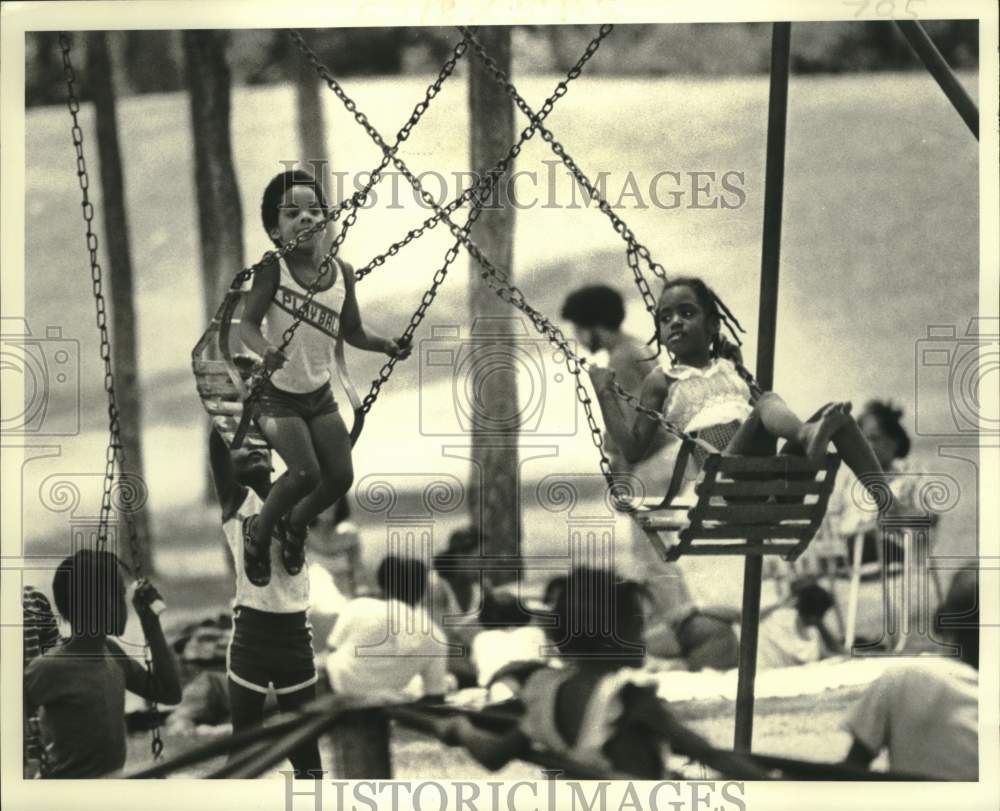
(79, 686)
(271, 644)
(703, 394)
(296, 411)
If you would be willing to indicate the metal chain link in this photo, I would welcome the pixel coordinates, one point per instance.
(634, 247)
(359, 198)
(497, 279)
(500, 167)
(115, 452)
(482, 189)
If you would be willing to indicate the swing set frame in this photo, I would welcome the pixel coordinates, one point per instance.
(227, 384)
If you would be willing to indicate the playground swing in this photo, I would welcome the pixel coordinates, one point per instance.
(227, 381)
(748, 502)
(115, 455)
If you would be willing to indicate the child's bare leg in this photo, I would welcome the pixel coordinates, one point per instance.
(812, 437)
(332, 444)
(858, 455)
(290, 438)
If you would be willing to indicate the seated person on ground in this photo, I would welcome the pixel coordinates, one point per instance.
(41, 632)
(797, 634)
(201, 650)
(597, 709)
(454, 598)
(390, 643)
(507, 638)
(925, 711)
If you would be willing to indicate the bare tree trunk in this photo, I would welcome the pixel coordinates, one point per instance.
(495, 501)
(220, 215)
(116, 241)
(312, 129)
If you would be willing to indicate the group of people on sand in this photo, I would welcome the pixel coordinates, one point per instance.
(587, 697)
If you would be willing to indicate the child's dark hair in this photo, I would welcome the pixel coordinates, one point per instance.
(554, 588)
(596, 305)
(599, 619)
(403, 579)
(502, 609)
(890, 423)
(812, 600)
(86, 588)
(275, 191)
(710, 302)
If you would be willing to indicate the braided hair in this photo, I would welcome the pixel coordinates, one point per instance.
(710, 302)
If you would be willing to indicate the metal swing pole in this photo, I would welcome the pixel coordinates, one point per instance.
(936, 65)
(766, 327)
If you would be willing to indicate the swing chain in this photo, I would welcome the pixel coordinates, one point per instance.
(621, 228)
(482, 189)
(360, 197)
(115, 452)
(634, 249)
(429, 295)
(500, 167)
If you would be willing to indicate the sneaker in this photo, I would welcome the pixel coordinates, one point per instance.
(293, 547)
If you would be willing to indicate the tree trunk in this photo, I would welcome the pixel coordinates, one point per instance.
(116, 242)
(312, 130)
(495, 502)
(220, 215)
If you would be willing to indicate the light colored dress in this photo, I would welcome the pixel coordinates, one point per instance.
(703, 398)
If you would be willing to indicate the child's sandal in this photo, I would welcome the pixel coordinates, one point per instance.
(293, 548)
(256, 562)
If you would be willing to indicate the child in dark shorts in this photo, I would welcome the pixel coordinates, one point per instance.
(295, 410)
(271, 645)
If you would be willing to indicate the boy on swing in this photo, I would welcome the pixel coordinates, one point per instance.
(296, 411)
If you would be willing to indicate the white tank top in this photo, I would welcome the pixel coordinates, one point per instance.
(310, 352)
(285, 593)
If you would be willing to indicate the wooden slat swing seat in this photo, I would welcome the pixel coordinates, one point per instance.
(745, 505)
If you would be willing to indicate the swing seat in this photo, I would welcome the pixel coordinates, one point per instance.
(770, 505)
(222, 375)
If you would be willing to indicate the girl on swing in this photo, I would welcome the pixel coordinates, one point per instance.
(704, 395)
(296, 411)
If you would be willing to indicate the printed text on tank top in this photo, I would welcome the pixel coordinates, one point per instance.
(317, 315)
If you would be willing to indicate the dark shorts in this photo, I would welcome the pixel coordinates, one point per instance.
(275, 402)
(271, 649)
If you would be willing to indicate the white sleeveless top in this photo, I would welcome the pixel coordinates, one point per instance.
(310, 352)
(285, 594)
(700, 398)
(600, 715)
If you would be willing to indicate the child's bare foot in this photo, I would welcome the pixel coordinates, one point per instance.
(815, 436)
